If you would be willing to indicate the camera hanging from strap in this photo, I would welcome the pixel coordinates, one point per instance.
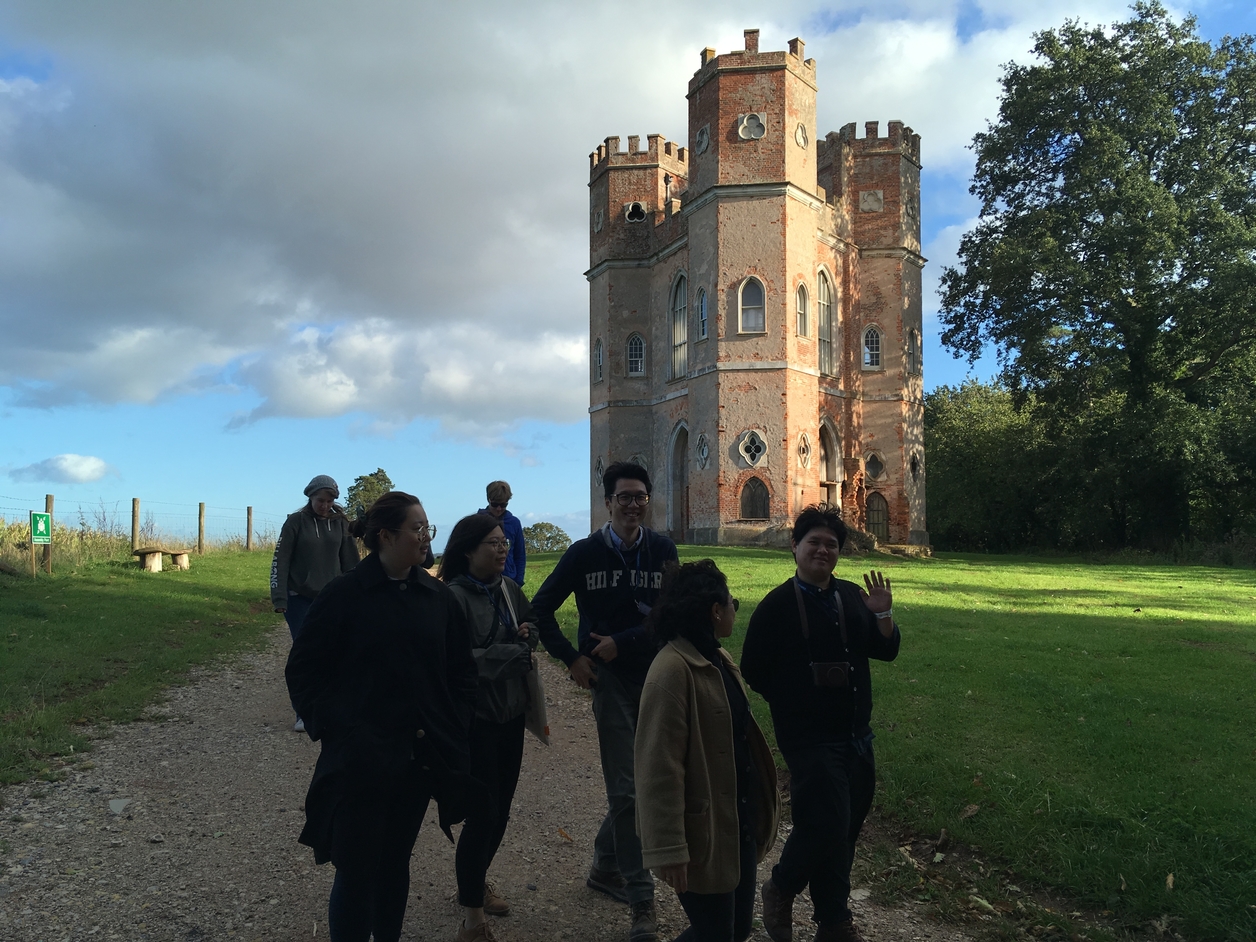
(825, 673)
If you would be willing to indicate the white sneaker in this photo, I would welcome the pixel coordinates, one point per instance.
(298, 726)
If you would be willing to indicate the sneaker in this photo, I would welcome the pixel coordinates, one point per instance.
(495, 905)
(778, 912)
(605, 881)
(644, 926)
(843, 932)
(298, 726)
(480, 933)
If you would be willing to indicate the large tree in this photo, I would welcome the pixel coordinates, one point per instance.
(1114, 264)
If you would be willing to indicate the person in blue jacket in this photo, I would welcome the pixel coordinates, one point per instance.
(499, 495)
(615, 573)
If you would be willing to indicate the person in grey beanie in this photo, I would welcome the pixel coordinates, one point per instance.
(314, 547)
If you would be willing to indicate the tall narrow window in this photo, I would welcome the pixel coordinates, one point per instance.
(597, 360)
(636, 355)
(702, 314)
(872, 349)
(752, 314)
(913, 352)
(804, 327)
(824, 325)
(680, 329)
(878, 512)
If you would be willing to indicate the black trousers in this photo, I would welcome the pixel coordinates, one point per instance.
(373, 837)
(724, 917)
(496, 757)
(830, 791)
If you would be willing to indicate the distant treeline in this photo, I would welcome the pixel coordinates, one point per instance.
(1166, 475)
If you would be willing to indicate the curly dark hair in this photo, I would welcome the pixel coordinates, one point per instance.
(820, 515)
(683, 608)
(387, 513)
(467, 534)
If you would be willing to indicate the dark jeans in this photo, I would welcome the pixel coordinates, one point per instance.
(372, 839)
(723, 917)
(294, 614)
(496, 756)
(617, 848)
(830, 789)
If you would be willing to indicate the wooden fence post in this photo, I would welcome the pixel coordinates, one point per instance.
(200, 530)
(48, 546)
(248, 536)
(135, 524)
(34, 568)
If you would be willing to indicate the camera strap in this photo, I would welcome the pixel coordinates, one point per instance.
(806, 627)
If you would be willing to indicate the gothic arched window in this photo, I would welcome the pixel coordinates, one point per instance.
(824, 325)
(597, 360)
(755, 504)
(680, 328)
(702, 314)
(913, 352)
(872, 349)
(636, 355)
(753, 319)
(804, 327)
(878, 513)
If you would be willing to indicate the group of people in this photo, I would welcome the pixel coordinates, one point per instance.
(417, 688)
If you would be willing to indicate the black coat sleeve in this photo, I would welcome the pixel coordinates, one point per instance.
(460, 670)
(548, 600)
(312, 671)
(761, 648)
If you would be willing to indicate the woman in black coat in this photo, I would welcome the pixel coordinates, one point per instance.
(383, 676)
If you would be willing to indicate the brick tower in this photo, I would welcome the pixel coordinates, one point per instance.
(755, 311)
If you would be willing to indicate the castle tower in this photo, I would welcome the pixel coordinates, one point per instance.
(755, 311)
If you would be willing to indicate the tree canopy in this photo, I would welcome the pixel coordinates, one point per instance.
(545, 537)
(365, 490)
(1113, 267)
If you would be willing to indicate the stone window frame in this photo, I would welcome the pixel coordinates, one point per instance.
(599, 373)
(880, 460)
(826, 325)
(629, 358)
(872, 360)
(700, 302)
(913, 352)
(742, 309)
(678, 315)
(802, 305)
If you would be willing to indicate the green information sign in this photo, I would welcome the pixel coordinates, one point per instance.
(41, 528)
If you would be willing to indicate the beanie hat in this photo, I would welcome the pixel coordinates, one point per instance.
(498, 492)
(323, 482)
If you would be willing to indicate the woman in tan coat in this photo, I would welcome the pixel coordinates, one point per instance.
(707, 803)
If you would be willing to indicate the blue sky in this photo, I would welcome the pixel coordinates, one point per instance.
(237, 251)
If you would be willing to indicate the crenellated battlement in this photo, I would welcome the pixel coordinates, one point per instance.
(659, 151)
(901, 140)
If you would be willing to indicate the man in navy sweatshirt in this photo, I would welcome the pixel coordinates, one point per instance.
(615, 573)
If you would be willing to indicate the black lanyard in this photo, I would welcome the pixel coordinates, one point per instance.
(503, 619)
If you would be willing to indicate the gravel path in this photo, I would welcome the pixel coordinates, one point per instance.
(184, 828)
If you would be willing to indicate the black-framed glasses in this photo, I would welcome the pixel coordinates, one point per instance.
(496, 544)
(736, 604)
(625, 499)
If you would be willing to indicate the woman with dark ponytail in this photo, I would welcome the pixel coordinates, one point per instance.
(383, 676)
(696, 743)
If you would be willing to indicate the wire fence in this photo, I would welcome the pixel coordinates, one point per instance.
(109, 529)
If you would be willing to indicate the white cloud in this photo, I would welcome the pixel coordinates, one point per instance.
(63, 469)
(380, 208)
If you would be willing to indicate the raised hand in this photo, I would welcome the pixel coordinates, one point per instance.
(878, 596)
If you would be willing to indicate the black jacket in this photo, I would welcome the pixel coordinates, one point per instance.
(613, 595)
(377, 661)
(776, 659)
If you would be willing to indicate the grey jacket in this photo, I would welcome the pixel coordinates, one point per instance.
(481, 605)
(310, 553)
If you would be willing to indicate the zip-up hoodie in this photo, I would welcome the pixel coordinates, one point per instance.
(311, 551)
(517, 558)
(614, 592)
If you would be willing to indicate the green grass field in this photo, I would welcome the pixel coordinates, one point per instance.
(1098, 717)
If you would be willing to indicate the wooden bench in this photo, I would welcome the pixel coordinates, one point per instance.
(150, 557)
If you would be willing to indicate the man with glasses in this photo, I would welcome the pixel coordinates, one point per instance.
(615, 574)
(499, 496)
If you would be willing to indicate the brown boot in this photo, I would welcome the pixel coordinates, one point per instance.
(495, 905)
(841, 932)
(778, 912)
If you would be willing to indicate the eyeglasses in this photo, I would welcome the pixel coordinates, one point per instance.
(498, 506)
(496, 544)
(423, 533)
(736, 604)
(625, 499)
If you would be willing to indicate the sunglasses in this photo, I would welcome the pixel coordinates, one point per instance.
(496, 506)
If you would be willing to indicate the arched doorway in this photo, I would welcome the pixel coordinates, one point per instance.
(830, 468)
(678, 485)
(878, 513)
(755, 500)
